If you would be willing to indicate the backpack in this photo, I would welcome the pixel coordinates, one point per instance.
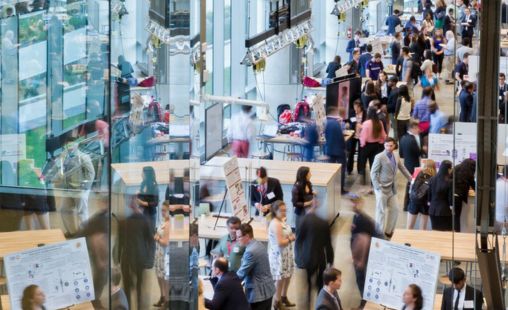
(285, 117)
(281, 108)
(155, 111)
(420, 189)
(302, 111)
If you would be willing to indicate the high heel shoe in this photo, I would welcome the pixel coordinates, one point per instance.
(160, 303)
(286, 302)
(279, 306)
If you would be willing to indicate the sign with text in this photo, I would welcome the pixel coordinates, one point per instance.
(454, 148)
(61, 270)
(235, 189)
(392, 267)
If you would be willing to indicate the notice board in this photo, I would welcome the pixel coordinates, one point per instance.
(392, 267)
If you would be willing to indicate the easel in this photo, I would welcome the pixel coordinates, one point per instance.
(220, 209)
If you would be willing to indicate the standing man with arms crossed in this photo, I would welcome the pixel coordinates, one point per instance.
(382, 174)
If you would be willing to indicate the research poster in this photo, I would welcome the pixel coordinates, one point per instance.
(61, 270)
(235, 189)
(392, 267)
(443, 147)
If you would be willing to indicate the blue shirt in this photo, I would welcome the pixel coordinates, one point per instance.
(374, 69)
(362, 62)
(392, 22)
(438, 120)
(421, 110)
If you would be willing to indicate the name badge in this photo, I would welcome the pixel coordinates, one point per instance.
(353, 119)
(468, 304)
(236, 250)
(270, 195)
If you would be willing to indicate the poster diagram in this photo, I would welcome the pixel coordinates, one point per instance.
(235, 189)
(392, 267)
(441, 147)
(62, 270)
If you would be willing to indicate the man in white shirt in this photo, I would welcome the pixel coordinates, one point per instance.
(460, 296)
(241, 131)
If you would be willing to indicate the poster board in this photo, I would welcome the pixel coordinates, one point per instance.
(443, 147)
(61, 270)
(235, 190)
(392, 267)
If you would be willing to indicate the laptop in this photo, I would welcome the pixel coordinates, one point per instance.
(270, 131)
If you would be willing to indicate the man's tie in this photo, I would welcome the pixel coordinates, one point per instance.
(456, 306)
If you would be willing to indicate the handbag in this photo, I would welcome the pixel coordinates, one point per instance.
(424, 126)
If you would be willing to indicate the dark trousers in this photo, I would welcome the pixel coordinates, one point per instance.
(262, 305)
(369, 151)
(406, 196)
(132, 277)
(438, 59)
(458, 212)
(351, 148)
(441, 223)
(342, 161)
(401, 128)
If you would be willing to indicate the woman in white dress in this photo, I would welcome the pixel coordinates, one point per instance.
(161, 238)
(280, 253)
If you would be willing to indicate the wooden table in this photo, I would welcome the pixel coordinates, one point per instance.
(439, 242)
(84, 306)
(130, 173)
(16, 241)
(438, 299)
(207, 223)
(325, 180)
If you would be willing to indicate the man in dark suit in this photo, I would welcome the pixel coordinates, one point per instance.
(354, 44)
(461, 296)
(228, 290)
(354, 65)
(335, 147)
(265, 191)
(466, 102)
(328, 298)
(468, 24)
(410, 150)
(393, 95)
(313, 249)
(255, 270)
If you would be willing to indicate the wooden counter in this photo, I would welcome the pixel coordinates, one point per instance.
(130, 173)
(439, 242)
(17, 241)
(438, 299)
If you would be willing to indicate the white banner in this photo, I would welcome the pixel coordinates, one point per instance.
(235, 189)
(61, 270)
(392, 267)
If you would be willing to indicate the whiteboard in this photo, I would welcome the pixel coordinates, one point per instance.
(392, 267)
(213, 130)
(61, 270)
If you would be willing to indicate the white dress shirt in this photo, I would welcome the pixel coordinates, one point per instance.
(462, 297)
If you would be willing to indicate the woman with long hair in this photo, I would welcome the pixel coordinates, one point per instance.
(302, 195)
(372, 138)
(280, 254)
(148, 196)
(403, 111)
(33, 298)
(161, 238)
(440, 198)
(355, 123)
(419, 195)
(464, 179)
(369, 94)
(412, 298)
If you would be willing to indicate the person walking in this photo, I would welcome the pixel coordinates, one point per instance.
(383, 175)
(440, 198)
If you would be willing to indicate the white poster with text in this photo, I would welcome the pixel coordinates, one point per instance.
(61, 270)
(392, 267)
(235, 189)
